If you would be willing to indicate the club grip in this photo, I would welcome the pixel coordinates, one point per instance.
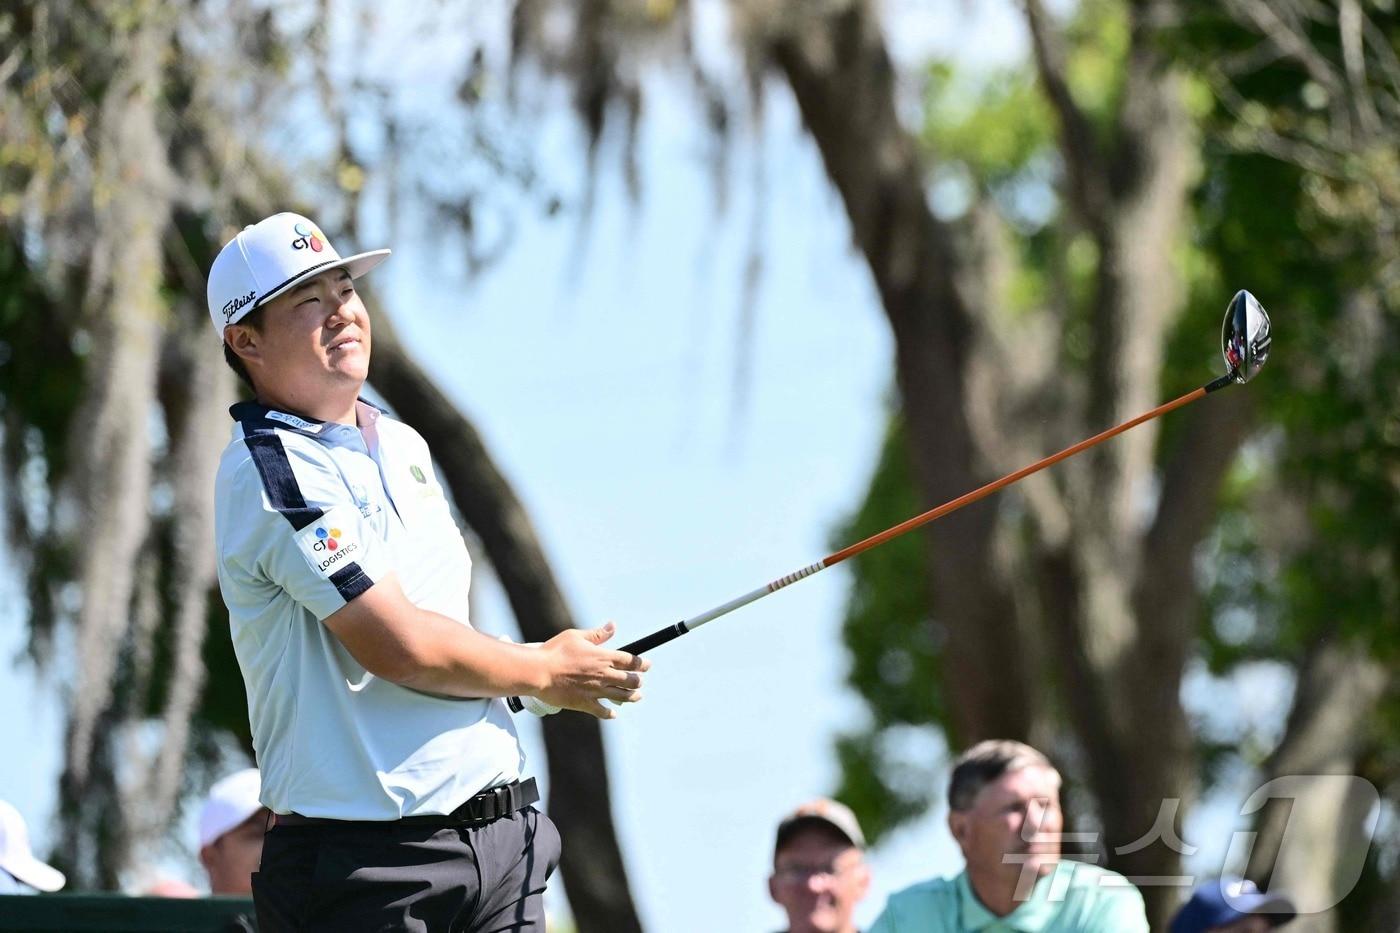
(659, 637)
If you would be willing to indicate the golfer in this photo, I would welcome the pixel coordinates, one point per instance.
(388, 759)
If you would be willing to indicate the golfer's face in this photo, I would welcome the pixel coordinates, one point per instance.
(1015, 822)
(316, 336)
(818, 878)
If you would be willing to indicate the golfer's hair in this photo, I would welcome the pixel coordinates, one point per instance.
(252, 319)
(984, 763)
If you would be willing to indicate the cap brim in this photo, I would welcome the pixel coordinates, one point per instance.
(36, 874)
(789, 828)
(357, 265)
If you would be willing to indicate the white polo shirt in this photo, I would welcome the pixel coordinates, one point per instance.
(308, 515)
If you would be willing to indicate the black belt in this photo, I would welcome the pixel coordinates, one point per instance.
(483, 808)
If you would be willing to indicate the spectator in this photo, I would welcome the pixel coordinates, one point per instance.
(231, 827)
(20, 871)
(1004, 813)
(819, 871)
(1232, 905)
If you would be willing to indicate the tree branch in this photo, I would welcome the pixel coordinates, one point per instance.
(1166, 585)
(1339, 688)
(1084, 164)
(1138, 291)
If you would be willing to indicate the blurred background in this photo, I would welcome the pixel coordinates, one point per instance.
(688, 293)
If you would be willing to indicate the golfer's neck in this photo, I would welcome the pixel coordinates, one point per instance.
(337, 406)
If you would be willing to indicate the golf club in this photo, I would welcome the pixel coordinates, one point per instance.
(1245, 345)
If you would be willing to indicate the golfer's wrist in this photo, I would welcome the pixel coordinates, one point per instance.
(533, 673)
(542, 673)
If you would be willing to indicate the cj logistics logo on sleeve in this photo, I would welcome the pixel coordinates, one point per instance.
(326, 543)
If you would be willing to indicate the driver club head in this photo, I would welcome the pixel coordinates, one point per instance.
(1245, 336)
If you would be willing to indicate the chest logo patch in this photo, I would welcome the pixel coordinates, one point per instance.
(418, 474)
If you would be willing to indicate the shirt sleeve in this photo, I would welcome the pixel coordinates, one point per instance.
(298, 528)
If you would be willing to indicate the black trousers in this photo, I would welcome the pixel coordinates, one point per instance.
(392, 877)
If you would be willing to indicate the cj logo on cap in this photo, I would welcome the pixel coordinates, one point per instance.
(308, 238)
(326, 541)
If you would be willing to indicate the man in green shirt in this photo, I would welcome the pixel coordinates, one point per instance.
(1004, 812)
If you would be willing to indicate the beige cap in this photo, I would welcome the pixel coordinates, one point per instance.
(822, 810)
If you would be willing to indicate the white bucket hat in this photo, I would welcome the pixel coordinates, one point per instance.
(268, 258)
(16, 856)
(231, 801)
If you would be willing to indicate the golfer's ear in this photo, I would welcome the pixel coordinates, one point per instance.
(243, 341)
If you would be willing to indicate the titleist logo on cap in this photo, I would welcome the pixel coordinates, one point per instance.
(238, 304)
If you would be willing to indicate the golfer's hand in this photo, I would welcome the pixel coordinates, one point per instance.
(582, 673)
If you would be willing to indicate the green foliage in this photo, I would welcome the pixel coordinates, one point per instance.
(994, 127)
(896, 665)
(1098, 37)
(887, 789)
(41, 379)
(1304, 546)
(894, 657)
(1316, 245)
(40, 375)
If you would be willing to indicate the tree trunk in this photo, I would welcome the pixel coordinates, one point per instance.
(844, 84)
(1321, 811)
(112, 480)
(1115, 589)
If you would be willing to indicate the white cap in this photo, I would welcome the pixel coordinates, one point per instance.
(270, 257)
(17, 859)
(230, 802)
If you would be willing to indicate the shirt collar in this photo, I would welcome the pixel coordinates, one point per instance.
(257, 415)
(1031, 916)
